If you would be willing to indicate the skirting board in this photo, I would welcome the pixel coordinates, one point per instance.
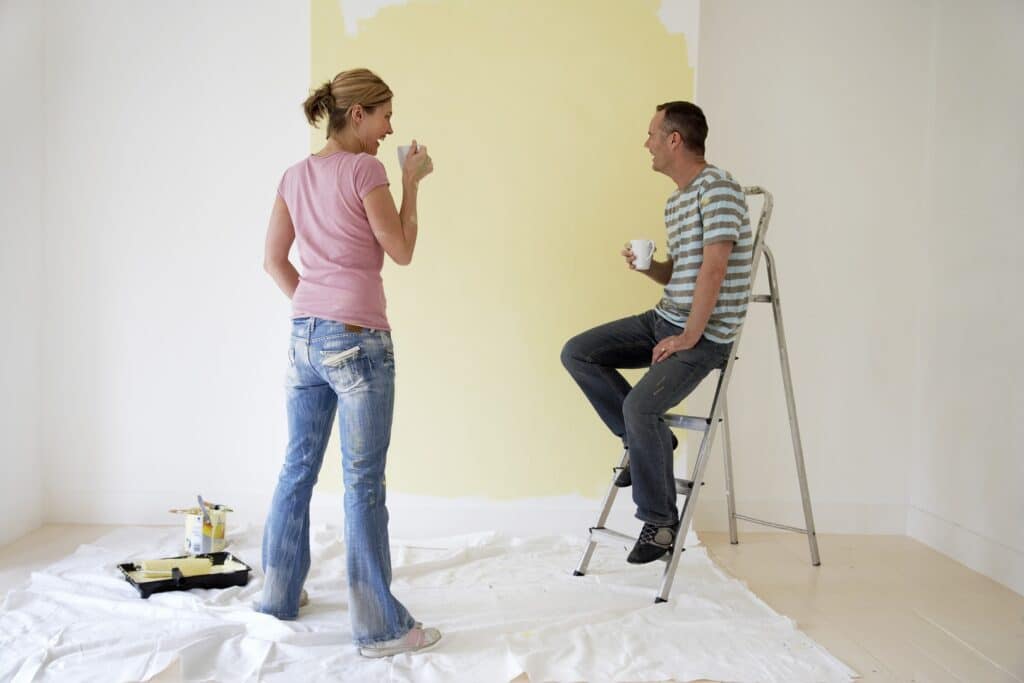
(19, 522)
(984, 555)
(415, 516)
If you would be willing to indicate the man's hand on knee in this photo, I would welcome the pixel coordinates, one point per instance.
(669, 345)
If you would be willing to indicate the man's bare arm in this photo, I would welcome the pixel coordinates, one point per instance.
(705, 296)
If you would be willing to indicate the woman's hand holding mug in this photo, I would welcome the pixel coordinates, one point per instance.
(416, 163)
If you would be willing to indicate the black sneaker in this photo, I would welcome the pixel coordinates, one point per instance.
(624, 478)
(654, 542)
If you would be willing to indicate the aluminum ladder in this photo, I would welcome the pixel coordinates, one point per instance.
(709, 425)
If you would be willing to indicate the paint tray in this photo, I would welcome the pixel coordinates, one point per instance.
(228, 571)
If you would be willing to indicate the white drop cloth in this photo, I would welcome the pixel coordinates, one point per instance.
(506, 606)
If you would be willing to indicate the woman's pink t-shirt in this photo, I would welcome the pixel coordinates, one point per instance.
(341, 259)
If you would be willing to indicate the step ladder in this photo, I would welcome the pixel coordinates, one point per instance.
(690, 488)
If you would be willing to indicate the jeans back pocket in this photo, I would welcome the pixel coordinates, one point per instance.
(345, 369)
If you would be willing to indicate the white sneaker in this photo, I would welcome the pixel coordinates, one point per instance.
(416, 640)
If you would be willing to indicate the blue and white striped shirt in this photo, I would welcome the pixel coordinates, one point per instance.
(712, 208)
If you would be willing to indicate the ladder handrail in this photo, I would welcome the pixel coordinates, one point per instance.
(762, 228)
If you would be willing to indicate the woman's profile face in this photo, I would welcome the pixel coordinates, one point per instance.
(375, 127)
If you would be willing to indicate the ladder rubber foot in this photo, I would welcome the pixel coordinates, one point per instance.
(816, 564)
(577, 573)
(659, 600)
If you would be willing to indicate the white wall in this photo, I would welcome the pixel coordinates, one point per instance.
(966, 480)
(171, 125)
(890, 134)
(168, 128)
(822, 104)
(21, 180)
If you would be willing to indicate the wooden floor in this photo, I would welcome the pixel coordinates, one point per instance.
(889, 607)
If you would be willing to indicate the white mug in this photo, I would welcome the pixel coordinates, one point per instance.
(403, 152)
(642, 250)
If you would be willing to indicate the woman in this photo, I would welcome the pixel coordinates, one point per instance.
(336, 204)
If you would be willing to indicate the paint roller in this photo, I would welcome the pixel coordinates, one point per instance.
(188, 566)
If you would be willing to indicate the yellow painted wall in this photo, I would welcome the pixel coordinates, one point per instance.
(535, 112)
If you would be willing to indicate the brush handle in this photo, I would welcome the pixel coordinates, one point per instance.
(206, 513)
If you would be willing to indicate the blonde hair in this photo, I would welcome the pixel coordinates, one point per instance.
(334, 99)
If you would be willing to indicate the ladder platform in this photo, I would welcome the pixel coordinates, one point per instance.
(694, 424)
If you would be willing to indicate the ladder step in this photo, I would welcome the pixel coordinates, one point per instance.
(611, 537)
(695, 424)
(761, 298)
(619, 539)
(684, 486)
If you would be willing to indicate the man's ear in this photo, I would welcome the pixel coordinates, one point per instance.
(676, 139)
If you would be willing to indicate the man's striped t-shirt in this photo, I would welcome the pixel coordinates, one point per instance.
(712, 208)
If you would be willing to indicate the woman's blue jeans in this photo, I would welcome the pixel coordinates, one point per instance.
(333, 369)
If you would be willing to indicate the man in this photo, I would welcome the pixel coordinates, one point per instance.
(686, 336)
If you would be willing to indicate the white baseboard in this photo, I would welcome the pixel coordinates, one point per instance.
(414, 516)
(428, 516)
(425, 516)
(984, 555)
(17, 523)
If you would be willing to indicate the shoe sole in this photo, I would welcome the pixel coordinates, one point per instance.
(380, 654)
(653, 559)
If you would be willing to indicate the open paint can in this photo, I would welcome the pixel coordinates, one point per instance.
(205, 534)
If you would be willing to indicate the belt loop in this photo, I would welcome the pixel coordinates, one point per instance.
(310, 326)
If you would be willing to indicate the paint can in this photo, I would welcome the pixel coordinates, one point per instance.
(205, 535)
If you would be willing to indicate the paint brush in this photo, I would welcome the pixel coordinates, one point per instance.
(206, 513)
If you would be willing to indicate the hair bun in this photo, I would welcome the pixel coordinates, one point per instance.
(320, 104)
(335, 98)
(326, 98)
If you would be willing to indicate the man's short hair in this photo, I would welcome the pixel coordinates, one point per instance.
(687, 119)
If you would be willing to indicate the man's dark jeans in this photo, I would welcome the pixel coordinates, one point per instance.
(634, 414)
